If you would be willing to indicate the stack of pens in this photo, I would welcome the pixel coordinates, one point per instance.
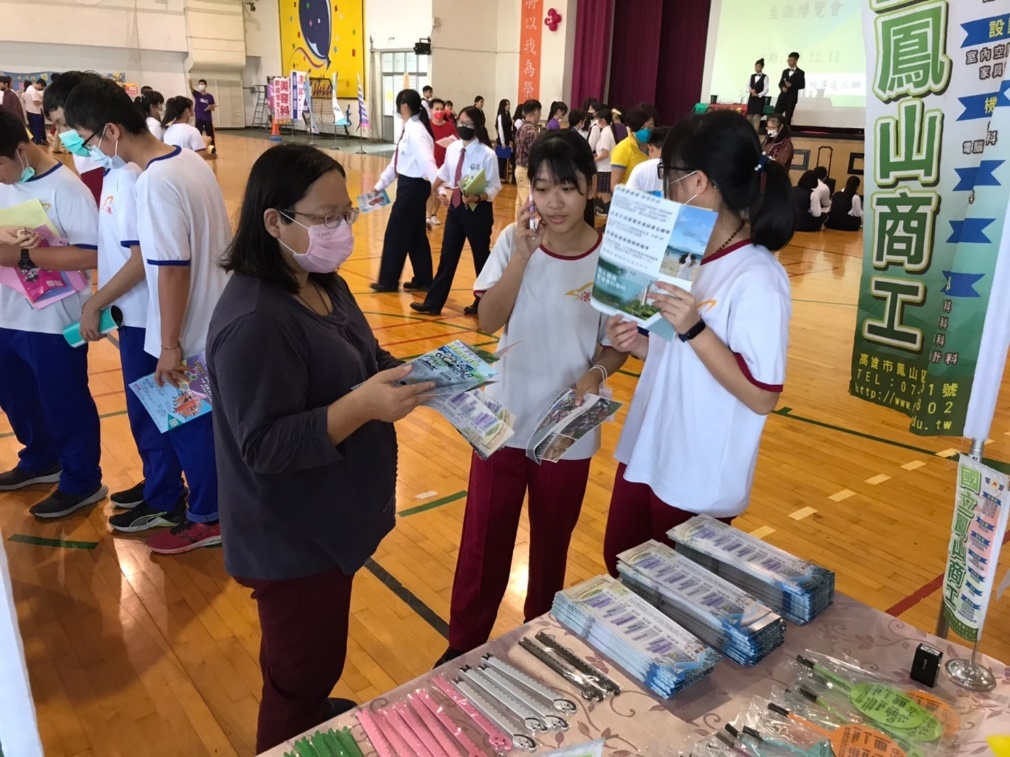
(797, 589)
(717, 612)
(634, 634)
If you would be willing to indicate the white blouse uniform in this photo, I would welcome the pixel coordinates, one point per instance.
(607, 143)
(691, 441)
(414, 156)
(184, 135)
(71, 208)
(555, 331)
(476, 157)
(182, 221)
(645, 178)
(117, 233)
(154, 126)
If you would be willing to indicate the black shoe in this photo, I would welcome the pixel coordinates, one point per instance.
(423, 307)
(448, 656)
(413, 286)
(128, 499)
(143, 516)
(471, 309)
(335, 706)
(377, 287)
(19, 478)
(58, 504)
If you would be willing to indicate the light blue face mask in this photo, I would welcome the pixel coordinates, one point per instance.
(74, 143)
(27, 172)
(642, 135)
(106, 161)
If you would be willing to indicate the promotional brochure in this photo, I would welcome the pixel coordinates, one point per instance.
(373, 201)
(170, 406)
(648, 240)
(565, 422)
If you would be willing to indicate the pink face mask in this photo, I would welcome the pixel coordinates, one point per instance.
(328, 248)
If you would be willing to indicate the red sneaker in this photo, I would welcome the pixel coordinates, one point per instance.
(185, 537)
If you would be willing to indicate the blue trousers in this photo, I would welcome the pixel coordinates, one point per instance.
(163, 485)
(44, 392)
(187, 449)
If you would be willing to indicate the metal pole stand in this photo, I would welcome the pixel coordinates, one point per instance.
(969, 674)
(361, 145)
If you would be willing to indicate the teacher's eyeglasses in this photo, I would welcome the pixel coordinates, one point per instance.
(330, 220)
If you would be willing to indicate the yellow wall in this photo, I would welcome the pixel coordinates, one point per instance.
(306, 46)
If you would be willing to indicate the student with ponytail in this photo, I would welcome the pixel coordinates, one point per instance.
(469, 218)
(152, 105)
(413, 168)
(178, 131)
(691, 438)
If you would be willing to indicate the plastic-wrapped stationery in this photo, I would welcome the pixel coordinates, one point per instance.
(717, 612)
(634, 634)
(797, 589)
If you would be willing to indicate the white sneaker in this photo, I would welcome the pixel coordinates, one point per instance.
(434, 221)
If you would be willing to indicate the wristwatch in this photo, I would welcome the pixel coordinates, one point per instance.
(692, 332)
(25, 263)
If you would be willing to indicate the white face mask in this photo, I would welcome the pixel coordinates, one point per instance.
(201, 87)
(773, 133)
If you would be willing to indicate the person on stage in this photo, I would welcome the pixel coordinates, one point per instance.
(758, 89)
(690, 441)
(792, 81)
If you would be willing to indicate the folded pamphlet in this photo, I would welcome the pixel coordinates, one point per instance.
(631, 632)
(648, 240)
(373, 201)
(473, 185)
(565, 422)
(727, 618)
(797, 589)
(171, 406)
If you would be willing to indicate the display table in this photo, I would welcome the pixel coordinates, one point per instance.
(639, 723)
(19, 732)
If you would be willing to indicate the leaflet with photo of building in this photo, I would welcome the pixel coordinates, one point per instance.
(565, 422)
(648, 240)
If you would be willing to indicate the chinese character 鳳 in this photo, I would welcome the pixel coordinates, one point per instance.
(900, 369)
(911, 52)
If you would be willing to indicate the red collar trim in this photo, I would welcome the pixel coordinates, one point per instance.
(727, 251)
(590, 251)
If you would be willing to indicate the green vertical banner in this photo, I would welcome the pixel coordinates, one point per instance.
(937, 189)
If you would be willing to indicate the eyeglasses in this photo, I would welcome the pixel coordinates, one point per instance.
(670, 176)
(95, 134)
(330, 220)
(664, 173)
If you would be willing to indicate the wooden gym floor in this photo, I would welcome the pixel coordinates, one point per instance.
(133, 654)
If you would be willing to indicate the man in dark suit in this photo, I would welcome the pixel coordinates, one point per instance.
(792, 81)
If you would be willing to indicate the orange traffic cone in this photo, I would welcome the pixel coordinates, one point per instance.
(275, 131)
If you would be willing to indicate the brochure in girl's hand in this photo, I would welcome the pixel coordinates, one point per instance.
(565, 422)
(169, 406)
(373, 201)
(647, 240)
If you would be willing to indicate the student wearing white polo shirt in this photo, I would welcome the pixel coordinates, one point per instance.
(645, 176)
(690, 441)
(53, 99)
(536, 285)
(183, 230)
(178, 130)
(43, 380)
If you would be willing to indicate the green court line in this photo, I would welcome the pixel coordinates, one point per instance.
(431, 505)
(423, 320)
(39, 541)
(786, 412)
(107, 415)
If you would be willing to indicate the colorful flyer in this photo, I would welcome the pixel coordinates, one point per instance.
(170, 406)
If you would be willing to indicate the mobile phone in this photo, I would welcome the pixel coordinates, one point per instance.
(534, 219)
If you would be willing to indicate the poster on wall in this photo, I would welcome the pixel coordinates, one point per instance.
(324, 38)
(20, 77)
(936, 203)
(529, 49)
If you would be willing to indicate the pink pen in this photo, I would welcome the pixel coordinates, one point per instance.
(439, 713)
(430, 739)
(374, 733)
(498, 738)
(400, 735)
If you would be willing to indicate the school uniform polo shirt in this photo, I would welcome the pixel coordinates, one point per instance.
(71, 209)
(691, 441)
(117, 233)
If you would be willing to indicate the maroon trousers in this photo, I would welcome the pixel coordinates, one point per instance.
(304, 627)
(637, 515)
(493, 505)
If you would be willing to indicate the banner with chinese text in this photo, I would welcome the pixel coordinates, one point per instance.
(980, 519)
(937, 199)
(529, 49)
(280, 98)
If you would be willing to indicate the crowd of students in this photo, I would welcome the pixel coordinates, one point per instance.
(296, 466)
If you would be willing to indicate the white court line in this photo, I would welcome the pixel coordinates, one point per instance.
(802, 513)
(842, 495)
(879, 479)
(760, 533)
(914, 465)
